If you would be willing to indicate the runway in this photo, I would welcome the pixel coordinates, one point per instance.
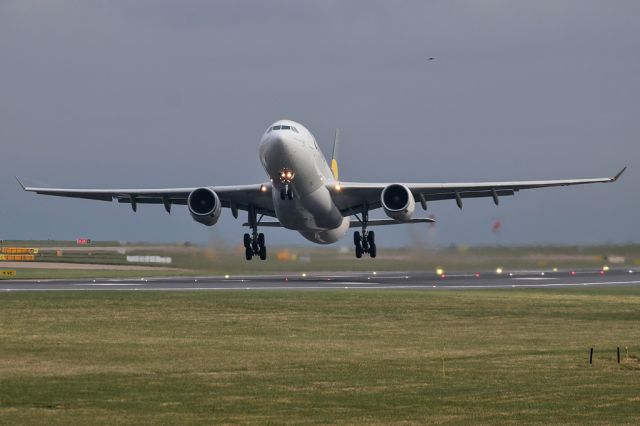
(343, 281)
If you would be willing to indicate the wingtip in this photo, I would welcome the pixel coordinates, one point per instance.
(20, 183)
(616, 177)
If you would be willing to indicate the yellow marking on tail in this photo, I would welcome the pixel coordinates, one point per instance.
(334, 168)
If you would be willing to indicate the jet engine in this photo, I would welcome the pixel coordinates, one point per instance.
(398, 202)
(204, 206)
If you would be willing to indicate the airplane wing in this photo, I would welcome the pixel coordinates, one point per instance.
(233, 197)
(352, 197)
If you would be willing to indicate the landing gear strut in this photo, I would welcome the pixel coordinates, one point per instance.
(254, 243)
(286, 193)
(365, 242)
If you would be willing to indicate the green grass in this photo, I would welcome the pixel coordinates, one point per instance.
(319, 357)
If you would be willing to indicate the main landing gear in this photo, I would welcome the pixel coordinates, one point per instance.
(365, 242)
(254, 243)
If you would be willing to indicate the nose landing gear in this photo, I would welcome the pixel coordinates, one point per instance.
(254, 243)
(286, 177)
(365, 242)
(286, 193)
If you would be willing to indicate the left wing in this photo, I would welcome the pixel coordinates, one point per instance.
(235, 197)
(352, 197)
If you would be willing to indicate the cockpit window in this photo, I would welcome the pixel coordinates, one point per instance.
(283, 127)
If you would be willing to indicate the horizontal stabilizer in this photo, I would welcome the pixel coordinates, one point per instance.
(356, 223)
(381, 222)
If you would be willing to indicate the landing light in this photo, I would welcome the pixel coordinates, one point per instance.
(263, 188)
(338, 187)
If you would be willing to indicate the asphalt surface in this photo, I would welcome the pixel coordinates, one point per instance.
(342, 281)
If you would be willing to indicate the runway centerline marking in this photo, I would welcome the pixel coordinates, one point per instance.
(534, 278)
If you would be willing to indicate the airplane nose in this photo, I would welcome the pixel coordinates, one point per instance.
(279, 144)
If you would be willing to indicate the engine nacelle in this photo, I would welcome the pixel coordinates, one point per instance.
(398, 202)
(204, 206)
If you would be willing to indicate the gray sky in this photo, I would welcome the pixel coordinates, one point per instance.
(178, 93)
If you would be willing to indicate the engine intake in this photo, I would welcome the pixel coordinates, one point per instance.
(204, 206)
(398, 202)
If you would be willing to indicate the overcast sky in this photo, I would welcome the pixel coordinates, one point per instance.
(178, 93)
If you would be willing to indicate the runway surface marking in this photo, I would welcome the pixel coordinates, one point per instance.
(335, 286)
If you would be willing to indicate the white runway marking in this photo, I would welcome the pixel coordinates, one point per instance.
(108, 284)
(534, 278)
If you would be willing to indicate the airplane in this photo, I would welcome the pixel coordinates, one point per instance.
(304, 193)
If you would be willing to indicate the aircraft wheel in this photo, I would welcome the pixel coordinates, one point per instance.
(373, 250)
(261, 240)
(248, 253)
(371, 236)
(358, 251)
(356, 238)
(263, 253)
(247, 240)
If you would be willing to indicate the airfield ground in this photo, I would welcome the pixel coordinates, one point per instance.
(109, 259)
(375, 357)
(340, 355)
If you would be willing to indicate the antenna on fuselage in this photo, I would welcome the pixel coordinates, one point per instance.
(334, 156)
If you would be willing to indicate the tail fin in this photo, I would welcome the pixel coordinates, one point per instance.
(334, 156)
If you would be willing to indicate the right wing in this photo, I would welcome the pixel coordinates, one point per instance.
(353, 197)
(238, 197)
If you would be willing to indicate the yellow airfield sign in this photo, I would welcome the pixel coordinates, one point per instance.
(6, 273)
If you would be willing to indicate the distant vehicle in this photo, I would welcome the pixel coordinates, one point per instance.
(305, 194)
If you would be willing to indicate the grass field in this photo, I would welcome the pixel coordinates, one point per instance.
(320, 357)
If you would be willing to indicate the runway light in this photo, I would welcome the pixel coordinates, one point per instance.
(375, 273)
(304, 274)
(498, 271)
(542, 273)
(477, 275)
(510, 274)
(602, 272)
(286, 279)
(605, 268)
(227, 276)
(555, 269)
(630, 271)
(439, 271)
(443, 276)
(573, 273)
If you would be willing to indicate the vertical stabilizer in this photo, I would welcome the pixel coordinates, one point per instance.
(334, 156)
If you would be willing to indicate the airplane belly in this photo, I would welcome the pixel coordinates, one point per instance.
(312, 212)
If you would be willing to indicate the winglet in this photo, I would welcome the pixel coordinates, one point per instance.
(23, 187)
(334, 156)
(616, 177)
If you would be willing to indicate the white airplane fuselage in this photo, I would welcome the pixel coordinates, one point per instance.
(292, 159)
